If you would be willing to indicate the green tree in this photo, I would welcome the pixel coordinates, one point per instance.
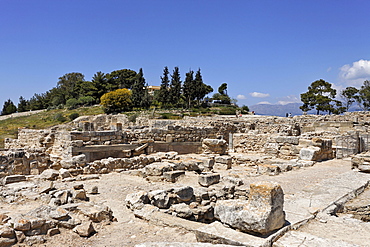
(350, 96)
(222, 94)
(175, 87)
(68, 85)
(201, 89)
(124, 78)
(189, 89)
(8, 108)
(364, 96)
(138, 90)
(117, 101)
(222, 89)
(38, 102)
(162, 95)
(100, 84)
(22, 105)
(320, 96)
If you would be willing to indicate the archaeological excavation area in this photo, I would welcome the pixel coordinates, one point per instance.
(199, 181)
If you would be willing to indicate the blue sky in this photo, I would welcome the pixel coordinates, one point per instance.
(266, 51)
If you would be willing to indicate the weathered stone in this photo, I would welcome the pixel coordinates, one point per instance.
(159, 198)
(3, 218)
(64, 173)
(6, 232)
(215, 146)
(86, 229)
(288, 139)
(136, 200)
(80, 195)
(47, 187)
(22, 224)
(96, 213)
(182, 210)
(207, 179)
(32, 240)
(157, 168)
(49, 174)
(94, 190)
(309, 153)
(262, 213)
(53, 231)
(14, 179)
(20, 236)
(172, 175)
(5, 242)
(184, 194)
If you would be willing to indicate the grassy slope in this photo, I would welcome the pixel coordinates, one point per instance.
(9, 127)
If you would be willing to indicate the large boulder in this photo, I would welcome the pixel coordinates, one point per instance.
(262, 213)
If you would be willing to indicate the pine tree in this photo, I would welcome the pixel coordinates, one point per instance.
(8, 108)
(22, 105)
(175, 87)
(162, 95)
(138, 89)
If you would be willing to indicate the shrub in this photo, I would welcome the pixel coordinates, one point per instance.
(59, 117)
(72, 104)
(86, 100)
(245, 109)
(73, 116)
(117, 101)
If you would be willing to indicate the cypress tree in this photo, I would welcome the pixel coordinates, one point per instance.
(189, 88)
(175, 87)
(162, 95)
(138, 89)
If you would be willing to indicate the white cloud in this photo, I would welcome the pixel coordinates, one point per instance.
(241, 96)
(264, 103)
(288, 99)
(259, 95)
(356, 73)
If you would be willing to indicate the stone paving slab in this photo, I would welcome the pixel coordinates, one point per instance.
(301, 239)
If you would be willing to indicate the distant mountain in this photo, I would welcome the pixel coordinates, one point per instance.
(282, 110)
(277, 110)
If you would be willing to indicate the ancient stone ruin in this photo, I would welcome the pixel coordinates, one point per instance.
(225, 180)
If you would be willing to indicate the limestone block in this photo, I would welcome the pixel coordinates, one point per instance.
(287, 139)
(157, 168)
(184, 194)
(136, 200)
(34, 240)
(364, 167)
(22, 224)
(159, 198)
(49, 174)
(223, 162)
(86, 229)
(172, 175)
(14, 179)
(95, 212)
(64, 173)
(271, 148)
(262, 213)
(207, 179)
(309, 153)
(216, 146)
(181, 210)
(268, 169)
(80, 195)
(6, 232)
